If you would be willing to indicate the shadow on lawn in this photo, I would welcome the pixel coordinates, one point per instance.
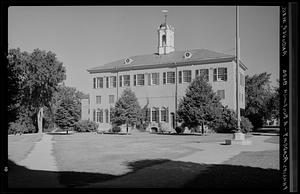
(162, 173)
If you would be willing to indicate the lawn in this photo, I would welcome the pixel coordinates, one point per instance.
(20, 145)
(145, 160)
(109, 154)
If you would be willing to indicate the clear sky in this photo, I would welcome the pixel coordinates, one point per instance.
(88, 36)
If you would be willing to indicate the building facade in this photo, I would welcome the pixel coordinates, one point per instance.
(159, 80)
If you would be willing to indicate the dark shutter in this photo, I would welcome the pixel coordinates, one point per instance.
(120, 80)
(180, 77)
(134, 80)
(164, 78)
(197, 72)
(94, 82)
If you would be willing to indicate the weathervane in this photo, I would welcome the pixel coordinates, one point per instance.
(165, 11)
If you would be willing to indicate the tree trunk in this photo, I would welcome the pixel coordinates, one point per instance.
(127, 128)
(202, 128)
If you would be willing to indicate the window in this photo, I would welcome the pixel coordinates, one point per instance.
(98, 99)
(221, 93)
(111, 99)
(220, 74)
(205, 74)
(155, 115)
(106, 116)
(140, 79)
(113, 81)
(120, 80)
(169, 77)
(242, 80)
(99, 82)
(107, 82)
(94, 82)
(126, 80)
(187, 76)
(164, 40)
(164, 115)
(180, 77)
(100, 116)
(155, 78)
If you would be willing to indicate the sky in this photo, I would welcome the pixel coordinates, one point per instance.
(84, 37)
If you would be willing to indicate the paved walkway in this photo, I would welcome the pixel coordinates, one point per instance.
(41, 158)
(216, 153)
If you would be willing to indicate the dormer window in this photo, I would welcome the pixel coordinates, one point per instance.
(187, 55)
(128, 61)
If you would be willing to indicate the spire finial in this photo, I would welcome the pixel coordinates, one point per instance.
(165, 11)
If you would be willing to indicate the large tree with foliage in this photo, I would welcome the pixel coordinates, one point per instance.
(32, 81)
(64, 94)
(259, 108)
(67, 114)
(127, 109)
(273, 105)
(200, 105)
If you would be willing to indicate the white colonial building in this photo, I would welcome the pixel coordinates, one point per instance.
(160, 79)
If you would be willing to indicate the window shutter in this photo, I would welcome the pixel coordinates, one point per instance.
(134, 80)
(180, 77)
(215, 74)
(164, 78)
(149, 79)
(94, 82)
(167, 114)
(120, 80)
(197, 72)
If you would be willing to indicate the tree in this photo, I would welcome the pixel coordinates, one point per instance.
(273, 105)
(200, 105)
(32, 81)
(258, 95)
(127, 110)
(67, 115)
(64, 94)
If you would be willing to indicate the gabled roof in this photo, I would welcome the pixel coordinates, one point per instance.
(199, 56)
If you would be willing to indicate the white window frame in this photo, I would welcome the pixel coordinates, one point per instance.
(218, 74)
(184, 76)
(152, 82)
(137, 79)
(98, 101)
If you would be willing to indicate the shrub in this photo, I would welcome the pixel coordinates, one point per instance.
(179, 129)
(116, 129)
(16, 127)
(246, 125)
(85, 126)
(163, 127)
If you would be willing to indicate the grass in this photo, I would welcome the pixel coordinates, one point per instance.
(102, 153)
(19, 146)
(274, 139)
(262, 159)
(143, 160)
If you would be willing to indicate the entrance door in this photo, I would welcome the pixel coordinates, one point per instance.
(173, 120)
